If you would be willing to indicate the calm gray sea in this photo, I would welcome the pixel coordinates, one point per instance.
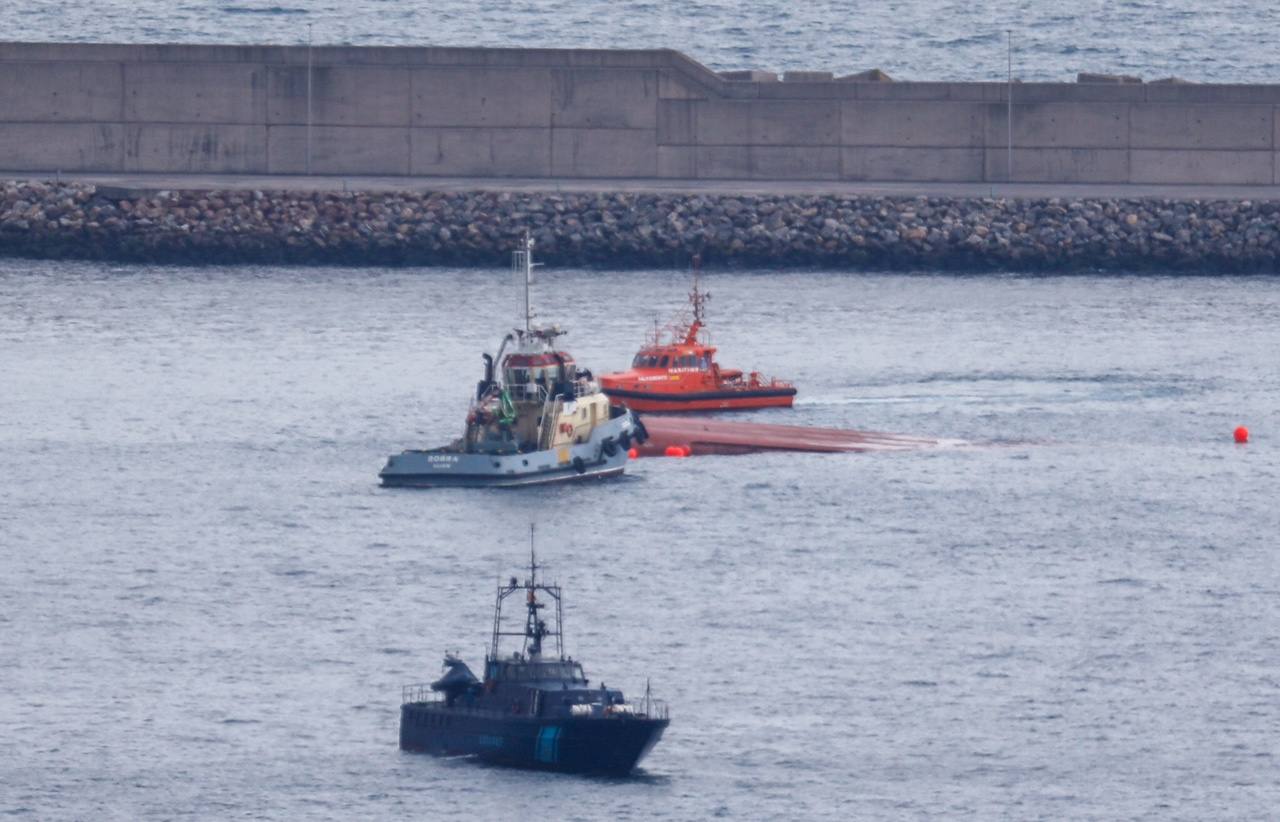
(208, 606)
(1229, 41)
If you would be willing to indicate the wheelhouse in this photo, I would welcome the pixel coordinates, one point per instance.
(539, 670)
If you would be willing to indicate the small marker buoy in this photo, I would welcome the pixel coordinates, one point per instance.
(1241, 434)
(674, 451)
(632, 453)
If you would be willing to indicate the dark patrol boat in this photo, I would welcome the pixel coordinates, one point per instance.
(533, 709)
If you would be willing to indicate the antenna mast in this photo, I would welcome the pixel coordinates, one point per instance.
(698, 300)
(522, 266)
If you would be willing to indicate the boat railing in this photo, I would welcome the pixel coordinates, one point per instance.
(527, 392)
(649, 708)
(419, 692)
(583, 388)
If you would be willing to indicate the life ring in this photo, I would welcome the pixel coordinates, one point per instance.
(566, 428)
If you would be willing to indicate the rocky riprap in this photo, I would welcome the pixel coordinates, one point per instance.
(71, 220)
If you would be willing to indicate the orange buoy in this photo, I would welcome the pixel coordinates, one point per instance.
(674, 451)
(1241, 434)
(632, 453)
(688, 450)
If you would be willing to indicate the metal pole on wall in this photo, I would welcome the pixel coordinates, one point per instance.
(308, 98)
(1009, 114)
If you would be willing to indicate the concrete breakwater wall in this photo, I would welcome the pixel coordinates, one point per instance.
(580, 113)
(69, 220)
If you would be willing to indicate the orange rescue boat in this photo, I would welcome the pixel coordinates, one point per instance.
(678, 372)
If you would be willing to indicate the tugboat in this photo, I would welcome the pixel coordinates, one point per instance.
(533, 709)
(540, 419)
(679, 373)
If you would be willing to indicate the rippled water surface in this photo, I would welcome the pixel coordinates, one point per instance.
(1230, 41)
(208, 606)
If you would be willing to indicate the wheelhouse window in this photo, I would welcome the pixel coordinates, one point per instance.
(663, 362)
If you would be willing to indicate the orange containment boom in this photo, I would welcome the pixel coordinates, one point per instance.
(717, 436)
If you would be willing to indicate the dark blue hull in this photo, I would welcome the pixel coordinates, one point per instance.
(610, 746)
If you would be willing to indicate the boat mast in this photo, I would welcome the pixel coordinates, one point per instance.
(698, 300)
(535, 629)
(522, 266)
(528, 309)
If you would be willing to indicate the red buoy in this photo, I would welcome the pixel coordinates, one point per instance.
(632, 453)
(674, 451)
(688, 450)
(1241, 434)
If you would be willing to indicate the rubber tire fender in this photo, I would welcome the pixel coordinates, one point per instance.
(579, 465)
(641, 433)
(609, 448)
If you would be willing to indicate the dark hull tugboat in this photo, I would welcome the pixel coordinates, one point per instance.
(677, 371)
(540, 419)
(533, 709)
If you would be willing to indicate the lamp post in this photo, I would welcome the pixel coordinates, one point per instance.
(1008, 167)
(308, 165)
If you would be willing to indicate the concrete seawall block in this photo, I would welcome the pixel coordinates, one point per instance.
(1065, 125)
(1116, 93)
(1058, 165)
(1181, 166)
(677, 162)
(722, 122)
(600, 152)
(481, 152)
(897, 163)
(795, 162)
(903, 92)
(800, 90)
(677, 122)
(338, 150)
(54, 92)
(1212, 93)
(62, 146)
(723, 162)
(195, 93)
(493, 97)
(794, 123)
(911, 123)
(604, 98)
(340, 96)
(1162, 125)
(203, 148)
(673, 86)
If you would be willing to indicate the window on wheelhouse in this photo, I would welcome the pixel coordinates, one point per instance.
(662, 363)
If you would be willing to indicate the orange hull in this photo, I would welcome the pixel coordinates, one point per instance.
(714, 400)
